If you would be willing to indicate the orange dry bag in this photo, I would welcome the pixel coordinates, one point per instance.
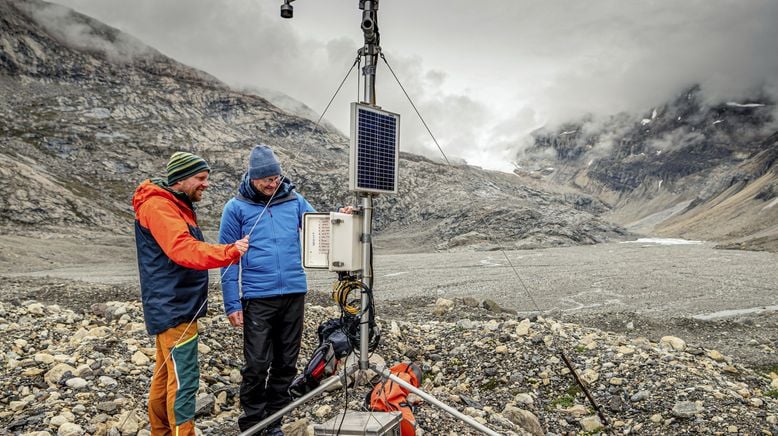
(388, 396)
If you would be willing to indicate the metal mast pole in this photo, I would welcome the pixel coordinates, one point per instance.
(372, 47)
(370, 52)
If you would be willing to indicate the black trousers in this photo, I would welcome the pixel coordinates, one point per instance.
(272, 331)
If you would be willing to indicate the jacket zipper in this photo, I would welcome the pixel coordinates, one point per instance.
(279, 291)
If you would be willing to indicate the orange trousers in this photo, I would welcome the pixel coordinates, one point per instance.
(175, 382)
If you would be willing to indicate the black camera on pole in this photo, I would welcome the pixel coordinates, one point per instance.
(287, 10)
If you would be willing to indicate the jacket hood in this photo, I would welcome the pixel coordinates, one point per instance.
(158, 188)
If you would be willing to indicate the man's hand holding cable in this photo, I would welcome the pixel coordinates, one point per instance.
(236, 318)
(242, 245)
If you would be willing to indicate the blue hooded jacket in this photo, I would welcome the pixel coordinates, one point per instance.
(272, 265)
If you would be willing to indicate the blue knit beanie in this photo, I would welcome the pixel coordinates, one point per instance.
(263, 163)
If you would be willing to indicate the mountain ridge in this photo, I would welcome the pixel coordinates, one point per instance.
(89, 129)
(687, 169)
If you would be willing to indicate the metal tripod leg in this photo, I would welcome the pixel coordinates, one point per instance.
(298, 402)
(385, 373)
(434, 401)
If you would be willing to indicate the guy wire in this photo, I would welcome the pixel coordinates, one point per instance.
(483, 220)
(414, 108)
(507, 259)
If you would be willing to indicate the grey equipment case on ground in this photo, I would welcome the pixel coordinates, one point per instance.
(361, 423)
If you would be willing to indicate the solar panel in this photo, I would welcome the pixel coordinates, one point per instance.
(374, 149)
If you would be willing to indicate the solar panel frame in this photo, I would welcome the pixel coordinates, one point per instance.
(374, 150)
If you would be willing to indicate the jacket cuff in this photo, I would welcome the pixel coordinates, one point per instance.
(230, 310)
(233, 252)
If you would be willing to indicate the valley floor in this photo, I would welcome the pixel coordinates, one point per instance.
(722, 299)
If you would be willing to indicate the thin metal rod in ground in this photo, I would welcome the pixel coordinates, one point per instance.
(435, 402)
(586, 391)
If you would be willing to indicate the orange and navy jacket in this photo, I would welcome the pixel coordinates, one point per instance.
(173, 259)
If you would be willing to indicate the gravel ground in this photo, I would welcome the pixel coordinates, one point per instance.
(87, 371)
(623, 302)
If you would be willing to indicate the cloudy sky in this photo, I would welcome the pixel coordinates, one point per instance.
(483, 73)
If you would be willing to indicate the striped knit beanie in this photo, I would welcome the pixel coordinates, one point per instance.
(183, 165)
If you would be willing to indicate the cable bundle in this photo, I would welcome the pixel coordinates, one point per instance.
(351, 311)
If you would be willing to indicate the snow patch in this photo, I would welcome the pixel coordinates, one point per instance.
(98, 112)
(396, 274)
(771, 204)
(733, 104)
(664, 241)
(735, 312)
(489, 262)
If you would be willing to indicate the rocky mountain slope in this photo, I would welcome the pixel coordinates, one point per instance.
(87, 112)
(689, 168)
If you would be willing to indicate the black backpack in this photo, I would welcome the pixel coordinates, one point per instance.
(333, 346)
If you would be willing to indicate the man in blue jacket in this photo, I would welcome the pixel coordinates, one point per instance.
(269, 300)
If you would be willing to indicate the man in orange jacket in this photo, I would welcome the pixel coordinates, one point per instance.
(173, 264)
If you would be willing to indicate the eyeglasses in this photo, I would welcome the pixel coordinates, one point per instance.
(270, 180)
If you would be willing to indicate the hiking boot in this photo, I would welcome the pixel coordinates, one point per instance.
(274, 431)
